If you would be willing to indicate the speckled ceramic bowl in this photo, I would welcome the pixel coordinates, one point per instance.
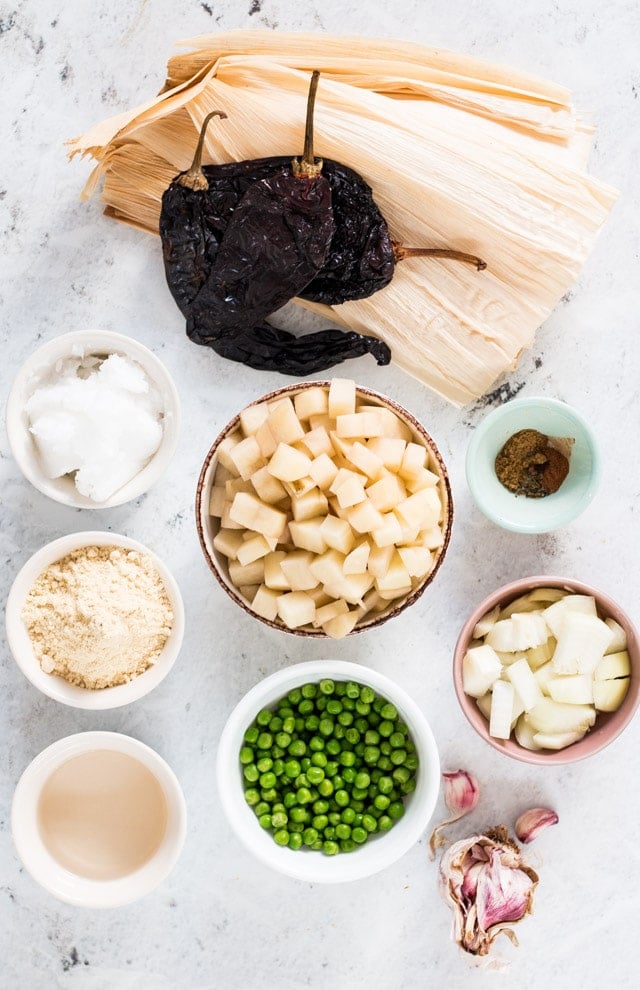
(313, 867)
(208, 525)
(517, 512)
(608, 725)
(39, 365)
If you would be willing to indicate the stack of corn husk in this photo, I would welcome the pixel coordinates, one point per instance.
(459, 152)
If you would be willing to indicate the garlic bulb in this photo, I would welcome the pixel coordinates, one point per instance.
(488, 887)
(461, 794)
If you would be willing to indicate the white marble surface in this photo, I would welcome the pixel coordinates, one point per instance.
(222, 920)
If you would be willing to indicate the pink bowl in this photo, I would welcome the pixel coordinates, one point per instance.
(608, 725)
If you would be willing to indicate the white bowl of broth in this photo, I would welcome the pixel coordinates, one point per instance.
(98, 819)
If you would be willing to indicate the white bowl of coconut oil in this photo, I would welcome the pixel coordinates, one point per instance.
(98, 819)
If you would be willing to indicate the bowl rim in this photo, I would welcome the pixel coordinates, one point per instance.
(43, 867)
(389, 613)
(489, 422)
(612, 724)
(93, 341)
(56, 687)
(302, 864)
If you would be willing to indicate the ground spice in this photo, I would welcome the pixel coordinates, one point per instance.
(99, 616)
(528, 464)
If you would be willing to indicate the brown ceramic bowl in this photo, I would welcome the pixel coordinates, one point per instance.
(208, 525)
(608, 725)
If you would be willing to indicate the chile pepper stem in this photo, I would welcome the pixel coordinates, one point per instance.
(195, 178)
(308, 166)
(400, 252)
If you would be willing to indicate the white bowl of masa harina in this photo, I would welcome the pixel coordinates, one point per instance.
(95, 620)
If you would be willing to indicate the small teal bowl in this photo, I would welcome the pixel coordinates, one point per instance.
(517, 512)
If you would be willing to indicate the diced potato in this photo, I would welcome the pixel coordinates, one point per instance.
(432, 538)
(342, 397)
(226, 522)
(274, 576)
(522, 604)
(390, 451)
(283, 422)
(343, 475)
(389, 532)
(502, 698)
(265, 603)
(396, 594)
(572, 689)
(524, 684)
(312, 503)
(521, 632)
(609, 695)
(296, 609)
(330, 611)
(486, 623)
(252, 573)
(524, 734)
(544, 675)
(265, 440)
(539, 655)
(425, 479)
(249, 591)
(421, 510)
(253, 549)
(582, 639)
(341, 625)
(222, 474)
(379, 560)
(619, 641)
(351, 492)
(351, 587)
(417, 560)
(328, 567)
(484, 704)
(254, 514)
(235, 485)
(553, 615)
(547, 594)
(288, 464)
(409, 535)
(295, 489)
(356, 561)
(360, 425)
(371, 602)
(295, 567)
(366, 461)
(268, 488)
(321, 422)
(341, 447)
(613, 665)
(252, 418)
(311, 402)
(337, 533)
(319, 596)
(217, 499)
(481, 668)
(413, 461)
(506, 659)
(223, 453)
(317, 442)
(307, 535)
(364, 518)
(337, 510)
(557, 740)
(386, 493)
(228, 542)
(552, 717)
(323, 471)
(396, 577)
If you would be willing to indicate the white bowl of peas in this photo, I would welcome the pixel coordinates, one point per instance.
(328, 771)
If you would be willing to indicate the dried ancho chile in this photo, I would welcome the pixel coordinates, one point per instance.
(528, 464)
(227, 278)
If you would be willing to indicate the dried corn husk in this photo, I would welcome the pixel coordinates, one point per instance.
(459, 152)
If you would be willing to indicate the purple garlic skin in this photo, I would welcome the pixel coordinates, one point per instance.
(531, 823)
(488, 887)
(461, 792)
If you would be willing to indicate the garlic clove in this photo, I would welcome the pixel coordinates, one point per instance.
(531, 823)
(461, 794)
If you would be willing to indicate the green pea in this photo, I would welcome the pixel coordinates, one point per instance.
(299, 815)
(298, 724)
(325, 787)
(309, 690)
(297, 748)
(330, 832)
(349, 775)
(251, 796)
(317, 845)
(338, 782)
(371, 754)
(265, 740)
(373, 719)
(264, 764)
(371, 737)
(265, 821)
(385, 823)
(251, 735)
(331, 767)
(306, 706)
(401, 775)
(284, 711)
(333, 747)
(269, 794)
(334, 818)
(347, 845)
(304, 795)
(261, 808)
(283, 739)
(315, 775)
(361, 725)
(367, 694)
(326, 727)
(267, 780)
(321, 703)
(385, 729)
(305, 763)
(359, 834)
(246, 754)
(352, 736)
(378, 703)
(397, 740)
(294, 695)
(277, 752)
(343, 831)
(352, 690)
(348, 704)
(411, 762)
(359, 794)
(263, 717)
(289, 799)
(251, 773)
(385, 785)
(320, 807)
(327, 686)
(281, 837)
(292, 768)
(362, 780)
(398, 756)
(339, 731)
(289, 724)
(373, 811)
(330, 848)
(295, 840)
(296, 827)
(384, 763)
(278, 806)
(279, 819)
(340, 688)
(395, 810)
(316, 743)
(409, 786)
(318, 759)
(358, 749)
(357, 805)
(382, 802)
(342, 798)
(334, 707)
(278, 767)
(369, 823)
(363, 708)
(347, 758)
(376, 775)
(320, 822)
(389, 711)
(309, 836)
